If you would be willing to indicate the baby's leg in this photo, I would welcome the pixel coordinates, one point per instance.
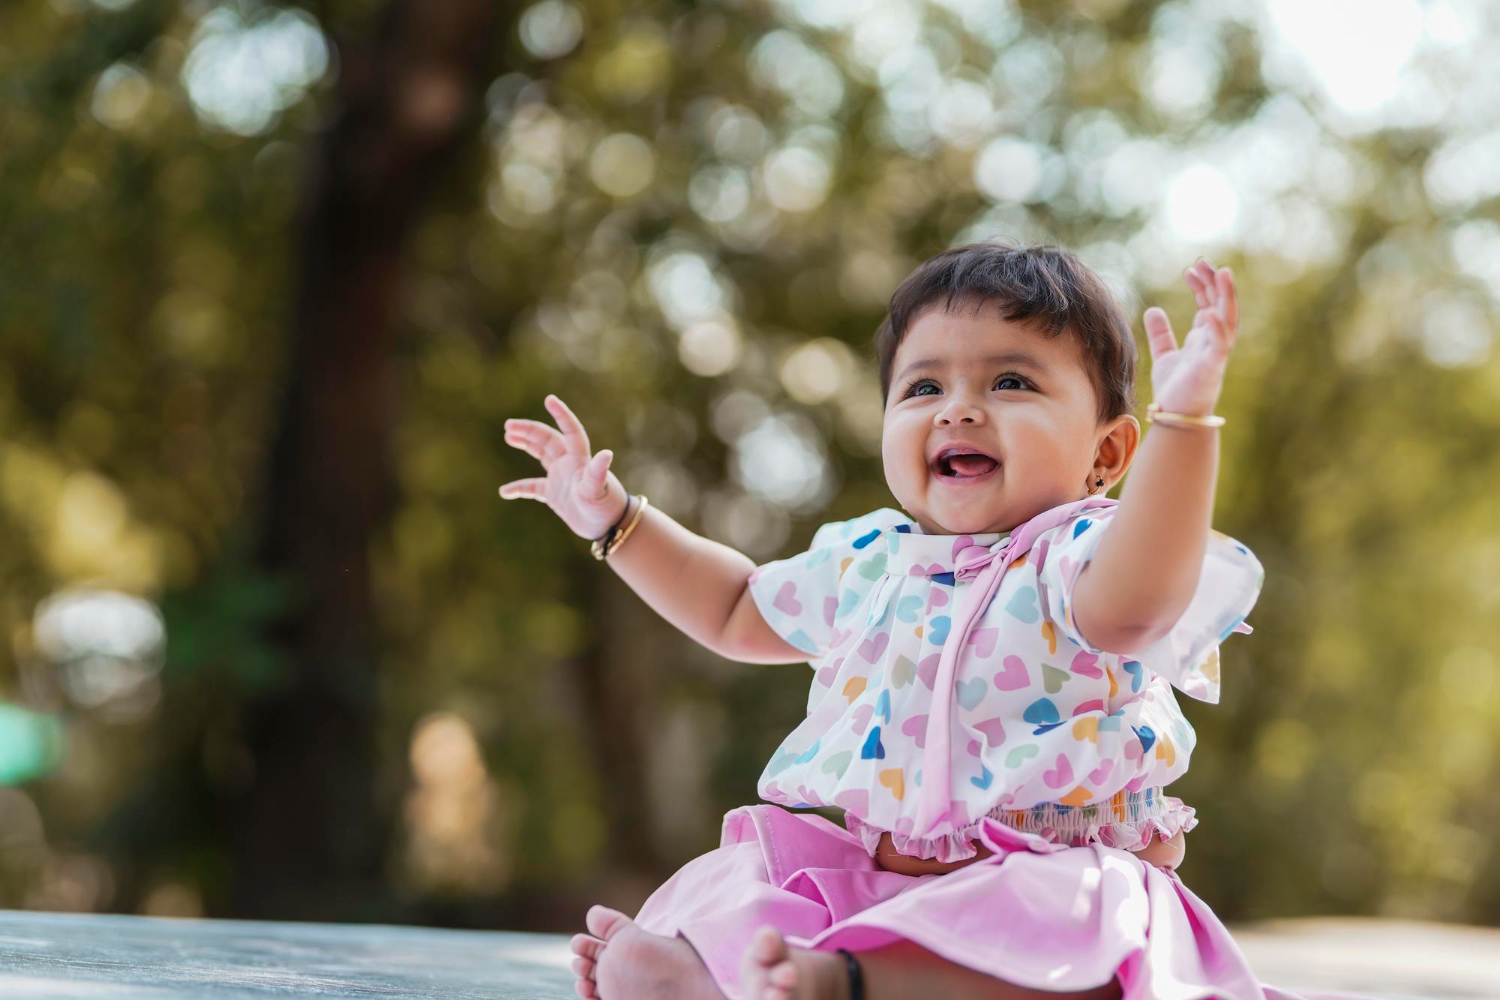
(907, 971)
(619, 961)
(771, 970)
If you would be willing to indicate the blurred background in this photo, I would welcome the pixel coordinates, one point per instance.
(275, 274)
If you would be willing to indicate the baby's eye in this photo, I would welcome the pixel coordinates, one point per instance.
(1020, 383)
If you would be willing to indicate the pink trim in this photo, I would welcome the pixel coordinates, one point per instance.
(959, 845)
(986, 568)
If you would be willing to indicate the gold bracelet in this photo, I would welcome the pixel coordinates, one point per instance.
(618, 539)
(598, 544)
(605, 547)
(1154, 413)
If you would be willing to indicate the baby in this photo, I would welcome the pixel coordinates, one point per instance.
(991, 702)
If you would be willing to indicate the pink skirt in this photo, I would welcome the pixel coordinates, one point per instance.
(1033, 913)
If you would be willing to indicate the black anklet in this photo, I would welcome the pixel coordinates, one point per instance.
(856, 976)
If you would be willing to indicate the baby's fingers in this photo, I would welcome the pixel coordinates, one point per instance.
(529, 489)
(595, 474)
(1195, 281)
(572, 427)
(1222, 339)
(527, 443)
(1229, 303)
(1159, 335)
(541, 441)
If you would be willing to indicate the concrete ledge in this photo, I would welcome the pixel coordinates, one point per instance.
(47, 955)
(1389, 958)
(135, 958)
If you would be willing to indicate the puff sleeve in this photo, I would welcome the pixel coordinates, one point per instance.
(804, 596)
(1188, 655)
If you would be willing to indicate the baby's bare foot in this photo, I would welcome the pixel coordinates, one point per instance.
(587, 948)
(772, 970)
(619, 961)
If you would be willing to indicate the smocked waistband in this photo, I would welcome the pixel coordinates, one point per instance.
(1124, 806)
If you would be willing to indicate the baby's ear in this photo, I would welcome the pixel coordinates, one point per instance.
(1119, 438)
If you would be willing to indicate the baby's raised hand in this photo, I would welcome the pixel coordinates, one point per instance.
(578, 487)
(1188, 379)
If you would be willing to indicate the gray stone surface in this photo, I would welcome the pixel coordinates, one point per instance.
(46, 955)
(1386, 958)
(135, 958)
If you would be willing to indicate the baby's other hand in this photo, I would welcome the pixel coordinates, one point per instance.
(1188, 379)
(579, 486)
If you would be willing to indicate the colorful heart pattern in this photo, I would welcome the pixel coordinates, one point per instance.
(1013, 676)
(875, 601)
(971, 692)
(993, 730)
(927, 669)
(786, 600)
(904, 672)
(938, 633)
(838, 763)
(1022, 605)
(1060, 775)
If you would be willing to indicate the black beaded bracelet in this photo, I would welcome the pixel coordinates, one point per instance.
(605, 544)
(856, 975)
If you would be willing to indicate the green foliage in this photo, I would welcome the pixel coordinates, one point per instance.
(686, 223)
(217, 628)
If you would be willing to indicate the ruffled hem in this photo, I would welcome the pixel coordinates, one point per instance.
(1133, 834)
(1137, 836)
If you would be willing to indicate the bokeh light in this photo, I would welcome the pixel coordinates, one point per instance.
(241, 74)
(551, 29)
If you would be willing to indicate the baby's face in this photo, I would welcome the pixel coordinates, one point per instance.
(999, 388)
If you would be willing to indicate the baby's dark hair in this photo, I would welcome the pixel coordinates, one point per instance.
(1044, 285)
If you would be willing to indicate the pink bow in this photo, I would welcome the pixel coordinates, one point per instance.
(973, 558)
(985, 568)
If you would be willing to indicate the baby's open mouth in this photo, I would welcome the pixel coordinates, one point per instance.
(965, 466)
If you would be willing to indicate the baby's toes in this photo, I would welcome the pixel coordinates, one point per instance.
(586, 946)
(604, 922)
(767, 946)
(783, 975)
(766, 971)
(781, 982)
(586, 951)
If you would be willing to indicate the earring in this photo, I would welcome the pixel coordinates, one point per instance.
(1097, 483)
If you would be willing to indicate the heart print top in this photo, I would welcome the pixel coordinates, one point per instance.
(957, 655)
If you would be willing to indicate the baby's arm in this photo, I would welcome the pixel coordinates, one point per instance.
(699, 585)
(702, 587)
(1148, 564)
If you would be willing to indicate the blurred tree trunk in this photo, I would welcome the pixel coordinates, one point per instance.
(310, 834)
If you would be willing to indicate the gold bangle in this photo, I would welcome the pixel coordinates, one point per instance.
(605, 547)
(618, 539)
(1155, 413)
(597, 546)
